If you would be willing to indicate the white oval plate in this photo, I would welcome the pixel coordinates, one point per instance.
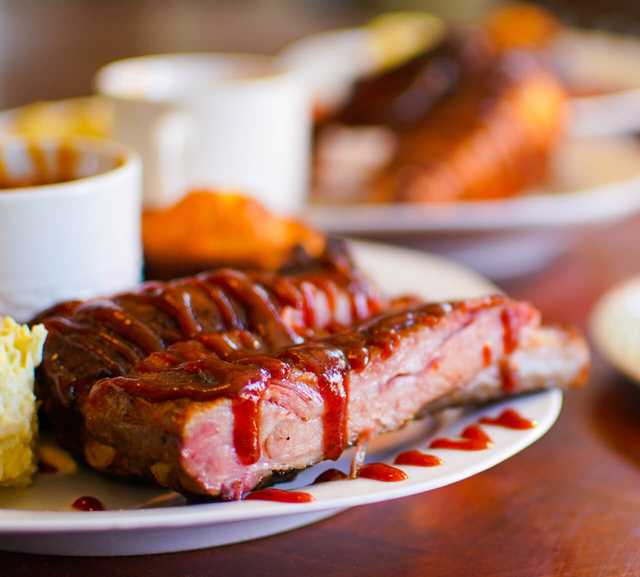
(615, 326)
(39, 519)
(593, 180)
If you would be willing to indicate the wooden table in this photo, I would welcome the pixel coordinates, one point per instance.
(567, 506)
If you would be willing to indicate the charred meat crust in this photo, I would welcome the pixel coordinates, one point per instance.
(231, 311)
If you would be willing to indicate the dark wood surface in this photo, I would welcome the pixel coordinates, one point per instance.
(567, 506)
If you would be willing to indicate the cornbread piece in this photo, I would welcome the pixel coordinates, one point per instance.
(208, 228)
(220, 428)
(229, 312)
(20, 353)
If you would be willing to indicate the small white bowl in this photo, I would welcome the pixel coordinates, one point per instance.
(72, 239)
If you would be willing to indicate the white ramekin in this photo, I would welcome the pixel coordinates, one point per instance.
(73, 239)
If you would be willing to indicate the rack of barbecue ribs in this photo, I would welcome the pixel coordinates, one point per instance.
(240, 383)
(234, 312)
(467, 123)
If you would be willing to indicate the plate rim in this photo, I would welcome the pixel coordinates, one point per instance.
(521, 213)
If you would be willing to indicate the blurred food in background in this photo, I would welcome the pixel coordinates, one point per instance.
(472, 114)
(522, 26)
(88, 116)
(208, 229)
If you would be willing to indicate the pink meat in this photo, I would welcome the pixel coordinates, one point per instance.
(179, 424)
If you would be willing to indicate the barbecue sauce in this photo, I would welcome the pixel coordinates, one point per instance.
(331, 361)
(280, 496)
(510, 419)
(382, 472)
(88, 504)
(417, 459)
(473, 438)
(330, 475)
(201, 375)
(117, 336)
(487, 355)
(507, 376)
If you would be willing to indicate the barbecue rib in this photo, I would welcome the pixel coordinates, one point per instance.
(491, 138)
(203, 425)
(232, 312)
(462, 121)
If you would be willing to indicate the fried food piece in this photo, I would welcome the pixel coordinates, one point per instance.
(466, 120)
(207, 229)
(492, 138)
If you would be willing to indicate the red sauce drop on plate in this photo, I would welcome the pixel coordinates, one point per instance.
(88, 504)
(280, 496)
(382, 472)
(417, 459)
(511, 419)
(473, 438)
(330, 475)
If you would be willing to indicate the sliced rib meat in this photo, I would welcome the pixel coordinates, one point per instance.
(232, 312)
(204, 425)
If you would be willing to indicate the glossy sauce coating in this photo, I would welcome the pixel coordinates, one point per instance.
(330, 360)
(216, 308)
(507, 376)
(280, 496)
(382, 472)
(487, 355)
(417, 459)
(510, 419)
(473, 438)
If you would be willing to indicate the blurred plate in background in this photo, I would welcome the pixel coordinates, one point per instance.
(602, 70)
(615, 326)
(593, 181)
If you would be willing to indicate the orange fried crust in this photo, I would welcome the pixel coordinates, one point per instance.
(207, 229)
